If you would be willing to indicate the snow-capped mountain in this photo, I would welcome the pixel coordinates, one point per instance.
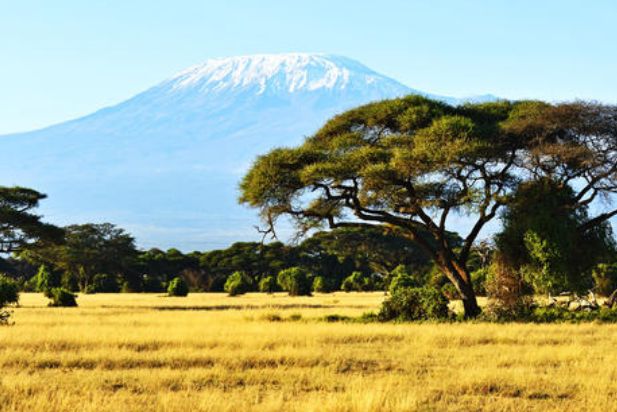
(166, 163)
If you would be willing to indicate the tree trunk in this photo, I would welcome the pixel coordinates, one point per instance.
(461, 279)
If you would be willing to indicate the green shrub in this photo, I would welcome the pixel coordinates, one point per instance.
(414, 304)
(238, 283)
(268, 284)
(177, 287)
(9, 291)
(605, 278)
(322, 285)
(357, 281)
(46, 280)
(104, 283)
(478, 280)
(402, 279)
(296, 281)
(61, 297)
(557, 314)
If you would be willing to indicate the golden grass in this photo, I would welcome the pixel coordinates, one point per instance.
(210, 352)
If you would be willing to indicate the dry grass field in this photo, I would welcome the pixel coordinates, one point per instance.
(209, 352)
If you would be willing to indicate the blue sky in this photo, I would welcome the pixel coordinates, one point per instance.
(64, 59)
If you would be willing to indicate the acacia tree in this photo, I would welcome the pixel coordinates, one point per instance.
(411, 162)
(89, 249)
(19, 227)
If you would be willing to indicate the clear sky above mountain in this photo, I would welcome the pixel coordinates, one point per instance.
(64, 59)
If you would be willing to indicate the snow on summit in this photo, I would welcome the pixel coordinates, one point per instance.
(291, 72)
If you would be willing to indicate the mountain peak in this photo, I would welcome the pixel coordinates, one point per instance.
(290, 72)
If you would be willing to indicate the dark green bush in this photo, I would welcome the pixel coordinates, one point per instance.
(605, 278)
(357, 281)
(46, 279)
(177, 287)
(414, 304)
(296, 281)
(104, 283)
(238, 283)
(61, 297)
(478, 279)
(9, 291)
(402, 279)
(558, 314)
(322, 285)
(268, 284)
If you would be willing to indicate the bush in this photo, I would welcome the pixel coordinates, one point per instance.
(414, 304)
(46, 280)
(9, 291)
(296, 281)
(322, 285)
(177, 287)
(268, 284)
(505, 289)
(238, 283)
(357, 281)
(605, 278)
(402, 279)
(61, 297)
(478, 280)
(103, 283)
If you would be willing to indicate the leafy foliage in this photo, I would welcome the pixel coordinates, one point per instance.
(357, 281)
(177, 287)
(61, 297)
(238, 283)
(295, 280)
(408, 163)
(9, 292)
(542, 238)
(400, 278)
(88, 250)
(18, 226)
(605, 278)
(268, 284)
(415, 304)
(321, 285)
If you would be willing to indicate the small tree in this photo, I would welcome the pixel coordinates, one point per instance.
(402, 279)
(322, 285)
(605, 278)
(104, 283)
(238, 284)
(8, 294)
(414, 304)
(46, 279)
(268, 284)
(177, 287)
(296, 281)
(357, 281)
(61, 297)
(505, 288)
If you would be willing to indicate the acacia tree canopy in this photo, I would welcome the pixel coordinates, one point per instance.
(19, 227)
(411, 162)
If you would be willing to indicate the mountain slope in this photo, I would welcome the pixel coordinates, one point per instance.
(165, 164)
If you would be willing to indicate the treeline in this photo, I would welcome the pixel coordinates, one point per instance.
(95, 258)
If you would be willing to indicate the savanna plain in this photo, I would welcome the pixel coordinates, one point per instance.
(211, 352)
